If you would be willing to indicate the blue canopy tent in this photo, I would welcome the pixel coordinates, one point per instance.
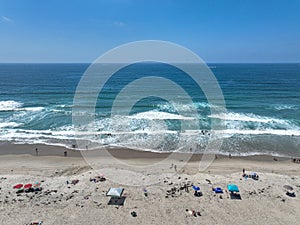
(233, 188)
(197, 193)
(196, 188)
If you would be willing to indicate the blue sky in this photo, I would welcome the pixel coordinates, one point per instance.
(218, 31)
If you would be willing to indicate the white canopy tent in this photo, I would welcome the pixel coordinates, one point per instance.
(115, 192)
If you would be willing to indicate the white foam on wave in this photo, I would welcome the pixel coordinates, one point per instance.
(12, 105)
(246, 117)
(285, 107)
(261, 132)
(34, 109)
(9, 124)
(9, 105)
(31, 136)
(61, 111)
(174, 106)
(141, 139)
(92, 133)
(65, 106)
(244, 132)
(155, 115)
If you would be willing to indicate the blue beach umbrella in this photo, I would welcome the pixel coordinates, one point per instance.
(218, 190)
(233, 188)
(196, 188)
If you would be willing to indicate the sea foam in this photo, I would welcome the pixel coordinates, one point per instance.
(9, 105)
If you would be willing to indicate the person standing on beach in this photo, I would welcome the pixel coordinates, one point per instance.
(36, 151)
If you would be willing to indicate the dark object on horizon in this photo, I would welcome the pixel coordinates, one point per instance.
(36, 151)
(229, 156)
(65, 153)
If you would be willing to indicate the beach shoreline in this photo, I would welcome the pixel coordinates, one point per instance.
(9, 148)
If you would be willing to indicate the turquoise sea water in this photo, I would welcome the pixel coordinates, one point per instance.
(262, 102)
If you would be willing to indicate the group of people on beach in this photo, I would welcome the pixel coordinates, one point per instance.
(37, 152)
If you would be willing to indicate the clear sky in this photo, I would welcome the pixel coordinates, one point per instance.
(218, 31)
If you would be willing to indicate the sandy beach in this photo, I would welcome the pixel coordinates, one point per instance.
(263, 201)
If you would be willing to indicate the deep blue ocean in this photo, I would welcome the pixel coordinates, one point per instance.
(262, 102)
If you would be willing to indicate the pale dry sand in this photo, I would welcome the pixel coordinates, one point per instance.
(263, 201)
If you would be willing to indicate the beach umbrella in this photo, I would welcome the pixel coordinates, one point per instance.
(288, 187)
(27, 186)
(233, 188)
(18, 186)
(218, 190)
(196, 188)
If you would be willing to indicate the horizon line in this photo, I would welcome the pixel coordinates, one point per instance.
(216, 62)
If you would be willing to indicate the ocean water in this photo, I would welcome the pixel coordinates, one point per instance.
(262, 109)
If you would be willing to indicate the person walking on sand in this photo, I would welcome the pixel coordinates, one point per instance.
(36, 151)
